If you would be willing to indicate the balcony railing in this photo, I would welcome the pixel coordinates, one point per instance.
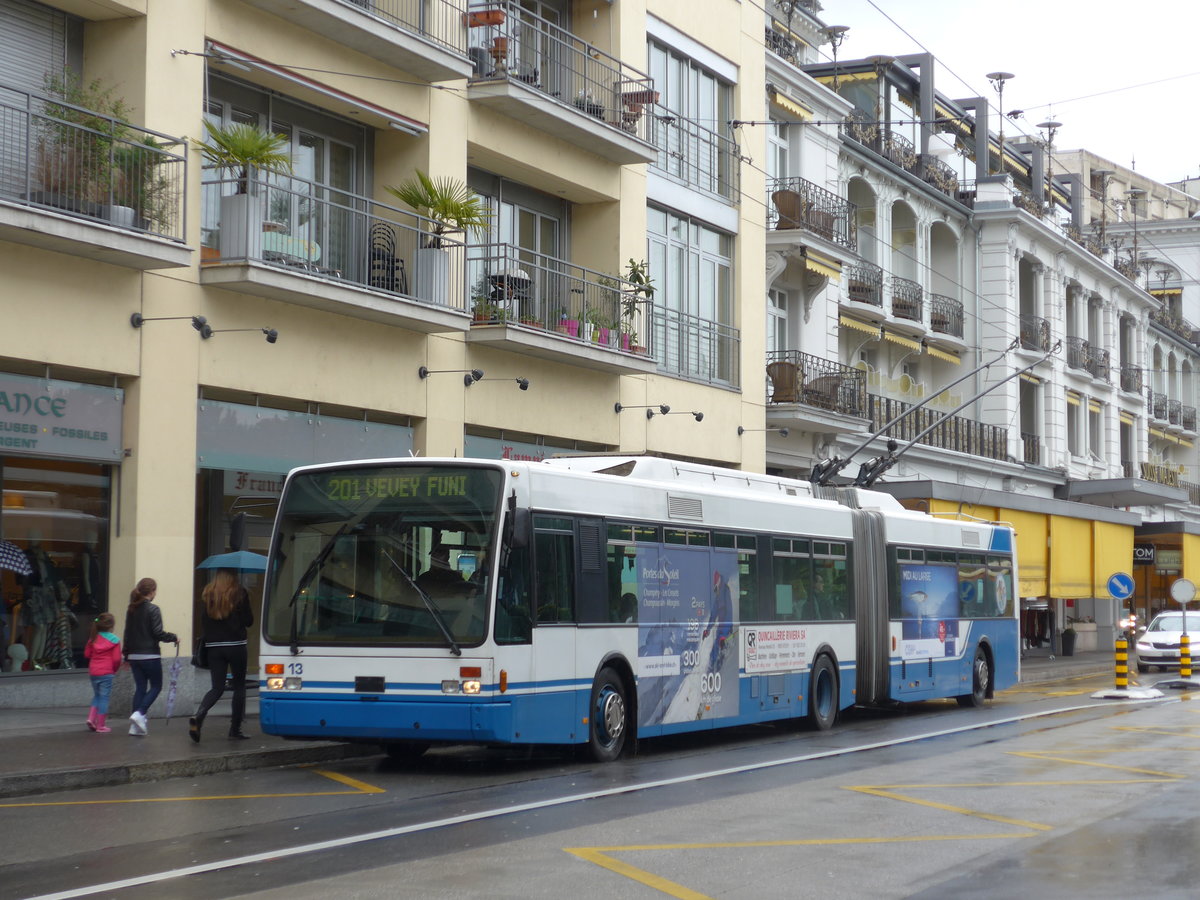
(1174, 412)
(1158, 405)
(697, 348)
(1033, 448)
(439, 21)
(517, 45)
(900, 151)
(906, 298)
(938, 173)
(950, 433)
(531, 290)
(783, 46)
(797, 377)
(1131, 379)
(1193, 490)
(1035, 333)
(1079, 353)
(1189, 418)
(946, 315)
(311, 229)
(798, 203)
(1101, 366)
(695, 156)
(1177, 325)
(1027, 202)
(864, 283)
(73, 161)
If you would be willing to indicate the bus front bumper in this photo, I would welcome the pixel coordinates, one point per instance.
(360, 719)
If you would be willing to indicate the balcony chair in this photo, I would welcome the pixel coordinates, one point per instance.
(786, 380)
(386, 269)
(791, 208)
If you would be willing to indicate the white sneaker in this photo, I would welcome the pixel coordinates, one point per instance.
(139, 723)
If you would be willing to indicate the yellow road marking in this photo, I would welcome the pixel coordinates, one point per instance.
(670, 888)
(878, 791)
(359, 787)
(1169, 776)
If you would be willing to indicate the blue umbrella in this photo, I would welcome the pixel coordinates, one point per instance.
(14, 558)
(241, 560)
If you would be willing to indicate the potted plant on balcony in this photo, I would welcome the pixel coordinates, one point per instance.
(451, 207)
(142, 195)
(242, 149)
(641, 290)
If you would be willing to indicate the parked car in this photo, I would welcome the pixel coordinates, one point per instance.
(1158, 645)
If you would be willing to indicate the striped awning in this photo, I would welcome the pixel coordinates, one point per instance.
(943, 355)
(902, 341)
(822, 265)
(1126, 418)
(790, 106)
(858, 325)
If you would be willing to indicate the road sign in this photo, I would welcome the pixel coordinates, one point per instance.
(1120, 586)
(1183, 591)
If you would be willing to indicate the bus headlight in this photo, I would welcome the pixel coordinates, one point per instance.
(275, 684)
(450, 686)
(470, 687)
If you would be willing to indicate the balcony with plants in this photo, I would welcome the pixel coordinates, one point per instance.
(548, 78)
(268, 233)
(550, 308)
(77, 177)
(1131, 379)
(1034, 333)
(797, 203)
(427, 38)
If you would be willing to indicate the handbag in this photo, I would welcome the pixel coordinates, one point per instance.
(200, 654)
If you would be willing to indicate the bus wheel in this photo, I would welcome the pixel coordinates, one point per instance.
(822, 694)
(609, 719)
(405, 751)
(981, 675)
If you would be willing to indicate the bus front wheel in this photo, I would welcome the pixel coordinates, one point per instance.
(981, 675)
(609, 719)
(823, 694)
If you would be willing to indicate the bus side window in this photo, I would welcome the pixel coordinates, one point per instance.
(513, 622)
(554, 559)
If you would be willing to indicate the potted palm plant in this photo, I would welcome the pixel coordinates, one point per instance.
(451, 206)
(640, 290)
(243, 149)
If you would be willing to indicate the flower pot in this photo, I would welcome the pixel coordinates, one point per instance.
(242, 216)
(626, 342)
(572, 327)
(482, 17)
(433, 275)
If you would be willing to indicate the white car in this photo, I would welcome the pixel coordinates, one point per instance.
(1158, 645)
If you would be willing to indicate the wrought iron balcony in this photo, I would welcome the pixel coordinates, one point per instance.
(1079, 353)
(938, 173)
(864, 283)
(1101, 366)
(797, 377)
(1174, 412)
(1033, 448)
(1131, 379)
(1126, 267)
(946, 315)
(783, 46)
(1158, 405)
(899, 151)
(695, 156)
(956, 433)
(520, 60)
(1027, 202)
(71, 161)
(906, 298)
(798, 203)
(1189, 418)
(1035, 333)
(1177, 325)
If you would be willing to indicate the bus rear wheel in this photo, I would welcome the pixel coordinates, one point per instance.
(608, 725)
(823, 694)
(981, 676)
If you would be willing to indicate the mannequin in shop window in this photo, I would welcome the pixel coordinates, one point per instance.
(44, 592)
(91, 583)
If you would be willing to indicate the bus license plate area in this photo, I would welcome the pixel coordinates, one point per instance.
(368, 684)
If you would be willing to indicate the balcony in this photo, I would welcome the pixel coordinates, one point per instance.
(78, 182)
(428, 39)
(306, 243)
(1176, 325)
(1157, 404)
(1033, 448)
(821, 384)
(934, 171)
(549, 308)
(864, 283)
(1035, 333)
(956, 433)
(797, 203)
(1131, 379)
(899, 151)
(697, 348)
(531, 70)
(692, 155)
(946, 315)
(906, 299)
(1189, 418)
(1079, 354)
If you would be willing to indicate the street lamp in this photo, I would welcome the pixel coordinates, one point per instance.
(836, 34)
(1135, 194)
(998, 79)
(1051, 127)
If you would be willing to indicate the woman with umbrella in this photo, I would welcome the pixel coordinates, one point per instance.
(225, 615)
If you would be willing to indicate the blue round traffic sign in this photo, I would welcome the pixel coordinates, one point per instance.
(1120, 586)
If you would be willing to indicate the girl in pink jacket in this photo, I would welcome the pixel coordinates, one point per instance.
(103, 651)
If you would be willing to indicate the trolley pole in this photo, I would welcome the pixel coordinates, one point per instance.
(1122, 654)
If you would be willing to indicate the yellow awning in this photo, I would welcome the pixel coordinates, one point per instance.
(1112, 551)
(943, 355)
(1032, 379)
(1126, 418)
(902, 341)
(1165, 292)
(847, 77)
(1093, 406)
(822, 265)
(790, 106)
(952, 119)
(1073, 399)
(855, 325)
(1158, 433)
(1032, 551)
(1191, 560)
(1071, 557)
(950, 507)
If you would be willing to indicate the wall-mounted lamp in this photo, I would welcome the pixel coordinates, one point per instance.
(207, 331)
(698, 416)
(522, 383)
(198, 322)
(470, 376)
(782, 432)
(660, 408)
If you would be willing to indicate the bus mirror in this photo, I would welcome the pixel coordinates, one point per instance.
(519, 522)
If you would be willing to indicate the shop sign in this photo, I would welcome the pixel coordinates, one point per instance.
(46, 417)
(1143, 554)
(498, 448)
(1169, 560)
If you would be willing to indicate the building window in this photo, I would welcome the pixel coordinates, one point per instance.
(694, 314)
(1074, 442)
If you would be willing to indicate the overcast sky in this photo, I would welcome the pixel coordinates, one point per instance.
(1059, 51)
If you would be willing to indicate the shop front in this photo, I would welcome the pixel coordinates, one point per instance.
(60, 446)
(1164, 552)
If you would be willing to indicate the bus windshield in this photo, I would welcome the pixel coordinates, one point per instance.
(387, 555)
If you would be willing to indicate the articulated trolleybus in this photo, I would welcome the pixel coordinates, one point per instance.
(596, 600)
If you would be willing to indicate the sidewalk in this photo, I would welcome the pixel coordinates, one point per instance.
(44, 750)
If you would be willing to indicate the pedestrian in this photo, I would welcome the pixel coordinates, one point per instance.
(143, 633)
(225, 615)
(103, 651)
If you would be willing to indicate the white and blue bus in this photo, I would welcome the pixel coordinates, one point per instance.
(598, 600)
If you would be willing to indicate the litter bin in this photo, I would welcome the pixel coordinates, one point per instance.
(1068, 642)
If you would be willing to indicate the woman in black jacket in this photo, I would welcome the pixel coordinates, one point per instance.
(225, 615)
(143, 633)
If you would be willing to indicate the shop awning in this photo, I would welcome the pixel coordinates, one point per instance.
(1071, 557)
(1191, 558)
(1032, 550)
(1112, 552)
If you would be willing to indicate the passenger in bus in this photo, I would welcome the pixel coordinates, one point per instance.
(627, 608)
(440, 573)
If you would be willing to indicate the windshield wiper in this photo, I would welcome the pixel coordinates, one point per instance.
(429, 605)
(313, 568)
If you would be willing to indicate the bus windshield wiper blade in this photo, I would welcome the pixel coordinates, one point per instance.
(429, 605)
(313, 568)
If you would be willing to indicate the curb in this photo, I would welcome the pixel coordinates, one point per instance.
(20, 784)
